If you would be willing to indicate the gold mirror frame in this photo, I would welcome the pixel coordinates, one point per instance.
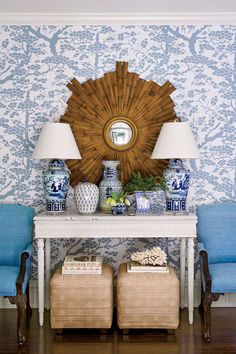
(133, 128)
(96, 104)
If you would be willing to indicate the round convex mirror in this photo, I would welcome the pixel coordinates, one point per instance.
(120, 133)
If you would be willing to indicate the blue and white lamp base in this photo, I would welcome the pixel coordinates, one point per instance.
(177, 183)
(56, 184)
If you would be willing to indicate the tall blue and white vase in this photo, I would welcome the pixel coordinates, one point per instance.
(177, 183)
(56, 184)
(110, 183)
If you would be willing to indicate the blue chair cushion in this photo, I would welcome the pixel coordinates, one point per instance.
(217, 231)
(8, 277)
(223, 276)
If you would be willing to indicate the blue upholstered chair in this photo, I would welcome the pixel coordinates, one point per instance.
(217, 249)
(15, 258)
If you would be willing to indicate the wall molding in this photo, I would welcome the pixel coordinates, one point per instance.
(228, 300)
(118, 18)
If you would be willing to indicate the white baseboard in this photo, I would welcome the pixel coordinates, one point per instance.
(228, 300)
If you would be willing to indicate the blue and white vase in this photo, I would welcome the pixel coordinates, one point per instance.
(56, 184)
(142, 203)
(110, 183)
(157, 201)
(86, 197)
(177, 183)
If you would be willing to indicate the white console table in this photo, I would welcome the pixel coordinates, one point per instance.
(72, 225)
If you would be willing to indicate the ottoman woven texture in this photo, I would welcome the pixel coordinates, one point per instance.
(82, 300)
(147, 300)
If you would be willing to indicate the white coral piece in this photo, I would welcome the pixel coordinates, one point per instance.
(156, 256)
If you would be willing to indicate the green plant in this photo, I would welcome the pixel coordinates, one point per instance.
(138, 182)
(117, 198)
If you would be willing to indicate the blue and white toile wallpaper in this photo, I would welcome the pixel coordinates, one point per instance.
(36, 63)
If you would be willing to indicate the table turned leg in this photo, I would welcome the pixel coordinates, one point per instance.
(41, 279)
(48, 271)
(190, 278)
(182, 271)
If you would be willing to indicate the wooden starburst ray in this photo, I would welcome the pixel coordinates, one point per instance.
(117, 94)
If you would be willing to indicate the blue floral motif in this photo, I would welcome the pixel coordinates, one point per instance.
(56, 185)
(38, 61)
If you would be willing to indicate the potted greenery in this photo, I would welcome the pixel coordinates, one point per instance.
(118, 202)
(138, 182)
(144, 190)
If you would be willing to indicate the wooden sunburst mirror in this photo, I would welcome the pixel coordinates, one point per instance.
(117, 117)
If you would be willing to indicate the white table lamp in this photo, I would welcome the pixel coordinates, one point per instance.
(176, 142)
(57, 143)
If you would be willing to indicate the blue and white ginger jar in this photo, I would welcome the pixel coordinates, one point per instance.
(177, 183)
(56, 184)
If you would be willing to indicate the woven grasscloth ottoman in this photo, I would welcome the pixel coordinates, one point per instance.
(82, 300)
(147, 300)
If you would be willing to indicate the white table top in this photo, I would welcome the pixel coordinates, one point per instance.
(72, 214)
(72, 224)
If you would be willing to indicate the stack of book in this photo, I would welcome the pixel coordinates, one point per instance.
(135, 267)
(82, 264)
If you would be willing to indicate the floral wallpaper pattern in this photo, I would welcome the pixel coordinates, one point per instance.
(38, 61)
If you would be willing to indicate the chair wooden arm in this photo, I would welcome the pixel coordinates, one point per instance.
(204, 257)
(21, 276)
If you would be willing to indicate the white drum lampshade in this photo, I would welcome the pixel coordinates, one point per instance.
(176, 140)
(56, 141)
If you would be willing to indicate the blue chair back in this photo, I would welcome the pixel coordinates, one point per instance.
(16, 227)
(217, 231)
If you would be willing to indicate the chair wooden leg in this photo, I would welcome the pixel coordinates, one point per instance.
(207, 299)
(200, 308)
(206, 306)
(21, 304)
(28, 307)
